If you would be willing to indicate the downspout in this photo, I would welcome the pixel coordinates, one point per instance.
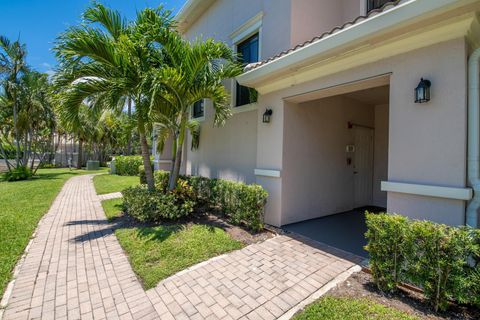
(473, 165)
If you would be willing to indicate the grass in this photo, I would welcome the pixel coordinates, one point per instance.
(109, 183)
(112, 208)
(335, 308)
(156, 253)
(23, 203)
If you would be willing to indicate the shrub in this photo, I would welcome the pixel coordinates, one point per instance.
(155, 206)
(128, 165)
(435, 257)
(241, 203)
(17, 174)
(386, 234)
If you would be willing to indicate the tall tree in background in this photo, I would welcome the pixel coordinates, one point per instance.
(106, 60)
(12, 67)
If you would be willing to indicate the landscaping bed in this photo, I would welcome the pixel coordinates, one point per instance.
(409, 302)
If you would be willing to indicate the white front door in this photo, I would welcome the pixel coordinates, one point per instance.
(363, 166)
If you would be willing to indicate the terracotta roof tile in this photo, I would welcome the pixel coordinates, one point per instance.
(387, 6)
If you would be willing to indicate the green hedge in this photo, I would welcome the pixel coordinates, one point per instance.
(241, 203)
(155, 206)
(442, 260)
(128, 165)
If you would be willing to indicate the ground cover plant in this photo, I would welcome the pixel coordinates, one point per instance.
(345, 308)
(108, 183)
(113, 208)
(158, 252)
(23, 203)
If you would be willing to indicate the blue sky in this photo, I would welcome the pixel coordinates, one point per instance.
(38, 22)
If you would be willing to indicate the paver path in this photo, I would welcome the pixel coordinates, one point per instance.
(76, 269)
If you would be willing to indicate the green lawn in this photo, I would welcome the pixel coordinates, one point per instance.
(109, 183)
(156, 253)
(112, 208)
(334, 308)
(22, 204)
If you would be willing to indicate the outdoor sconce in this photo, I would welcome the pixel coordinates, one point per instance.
(267, 115)
(422, 91)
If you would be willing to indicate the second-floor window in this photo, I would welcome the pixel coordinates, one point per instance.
(198, 109)
(375, 4)
(248, 52)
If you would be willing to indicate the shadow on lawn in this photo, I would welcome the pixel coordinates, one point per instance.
(158, 232)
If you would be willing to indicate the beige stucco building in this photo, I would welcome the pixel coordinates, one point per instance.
(345, 130)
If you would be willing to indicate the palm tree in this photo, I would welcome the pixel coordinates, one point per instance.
(195, 71)
(12, 66)
(105, 62)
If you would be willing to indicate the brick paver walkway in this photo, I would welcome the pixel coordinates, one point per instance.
(76, 269)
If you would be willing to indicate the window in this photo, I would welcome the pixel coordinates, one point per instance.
(198, 109)
(375, 4)
(248, 52)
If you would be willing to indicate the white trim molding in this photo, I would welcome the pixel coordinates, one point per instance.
(248, 29)
(245, 108)
(268, 173)
(428, 190)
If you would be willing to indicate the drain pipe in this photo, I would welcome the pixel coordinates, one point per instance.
(474, 137)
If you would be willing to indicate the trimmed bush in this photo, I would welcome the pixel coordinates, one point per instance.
(440, 259)
(17, 174)
(241, 203)
(128, 165)
(386, 246)
(155, 206)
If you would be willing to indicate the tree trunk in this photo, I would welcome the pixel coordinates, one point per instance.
(129, 113)
(80, 154)
(146, 156)
(178, 156)
(17, 140)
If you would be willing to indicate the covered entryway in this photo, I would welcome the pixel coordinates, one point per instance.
(335, 157)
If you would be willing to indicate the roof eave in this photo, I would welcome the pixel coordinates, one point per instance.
(410, 11)
(190, 12)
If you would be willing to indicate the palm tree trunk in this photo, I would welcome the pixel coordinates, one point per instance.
(129, 113)
(80, 154)
(146, 156)
(17, 141)
(178, 155)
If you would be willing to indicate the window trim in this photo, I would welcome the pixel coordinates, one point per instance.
(202, 118)
(245, 31)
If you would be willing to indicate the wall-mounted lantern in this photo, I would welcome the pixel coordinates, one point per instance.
(267, 115)
(422, 91)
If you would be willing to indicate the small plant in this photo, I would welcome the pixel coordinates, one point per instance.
(18, 174)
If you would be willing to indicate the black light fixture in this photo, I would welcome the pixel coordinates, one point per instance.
(422, 91)
(267, 115)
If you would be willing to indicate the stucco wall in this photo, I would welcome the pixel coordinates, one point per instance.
(317, 180)
(227, 152)
(427, 142)
(311, 18)
(226, 16)
(380, 169)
